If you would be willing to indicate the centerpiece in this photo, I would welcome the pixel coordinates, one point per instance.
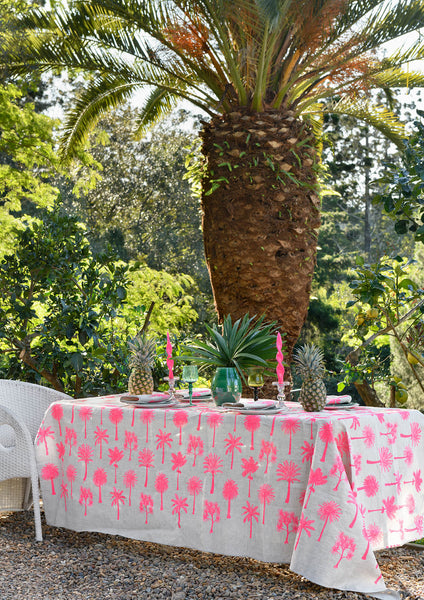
(233, 349)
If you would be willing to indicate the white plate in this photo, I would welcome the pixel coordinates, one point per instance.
(256, 411)
(144, 404)
(341, 406)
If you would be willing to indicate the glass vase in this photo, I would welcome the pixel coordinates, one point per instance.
(226, 385)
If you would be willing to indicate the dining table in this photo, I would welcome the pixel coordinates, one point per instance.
(319, 491)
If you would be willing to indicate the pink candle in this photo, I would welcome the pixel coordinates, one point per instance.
(169, 361)
(280, 357)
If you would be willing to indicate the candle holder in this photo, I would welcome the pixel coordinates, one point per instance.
(281, 396)
(171, 382)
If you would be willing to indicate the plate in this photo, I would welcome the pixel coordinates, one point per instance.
(256, 411)
(149, 404)
(341, 406)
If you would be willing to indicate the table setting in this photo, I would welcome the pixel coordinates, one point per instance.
(319, 484)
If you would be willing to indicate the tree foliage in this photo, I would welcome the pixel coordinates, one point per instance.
(64, 313)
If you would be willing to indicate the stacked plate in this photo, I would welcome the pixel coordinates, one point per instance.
(250, 407)
(199, 394)
(339, 403)
(155, 400)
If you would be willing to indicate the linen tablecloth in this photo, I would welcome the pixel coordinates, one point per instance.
(320, 491)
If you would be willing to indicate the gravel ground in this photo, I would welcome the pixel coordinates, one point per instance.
(92, 566)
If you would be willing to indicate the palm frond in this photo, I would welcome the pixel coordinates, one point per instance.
(365, 110)
(159, 103)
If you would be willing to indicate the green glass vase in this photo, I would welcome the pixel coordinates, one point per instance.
(226, 385)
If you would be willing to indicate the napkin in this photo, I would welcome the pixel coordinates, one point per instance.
(339, 399)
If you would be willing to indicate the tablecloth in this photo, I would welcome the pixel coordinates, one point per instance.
(319, 491)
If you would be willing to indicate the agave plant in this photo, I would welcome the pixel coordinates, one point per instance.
(245, 343)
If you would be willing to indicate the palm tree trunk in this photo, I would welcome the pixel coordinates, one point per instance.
(260, 223)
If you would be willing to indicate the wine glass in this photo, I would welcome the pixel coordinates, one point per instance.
(255, 380)
(190, 375)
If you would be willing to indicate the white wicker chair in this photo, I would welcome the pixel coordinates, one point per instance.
(22, 408)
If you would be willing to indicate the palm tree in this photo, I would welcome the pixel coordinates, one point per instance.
(264, 71)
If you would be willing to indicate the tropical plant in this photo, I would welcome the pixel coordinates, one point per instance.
(260, 69)
(245, 343)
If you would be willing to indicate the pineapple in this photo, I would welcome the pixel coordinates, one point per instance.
(309, 361)
(143, 350)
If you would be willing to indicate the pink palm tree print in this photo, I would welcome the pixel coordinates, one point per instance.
(212, 512)
(345, 547)
(117, 499)
(289, 522)
(251, 513)
(370, 486)
(115, 416)
(70, 438)
(326, 436)
(316, 477)
(343, 443)
(269, 450)
(179, 504)
(266, 496)
(130, 479)
(85, 455)
(213, 421)
(86, 498)
(307, 451)
(161, 485)
(306, 526)
(163, 439)
(328, 512)
(397, 482)
(338, 470)
(194, 486)
(146, 505)
(252, 423)
(250, 466)
(178, 461)
(416, 480)
(44, 433)
(419, 525)
(84, 414)
(57, 414)
(146, 417)
(373, 535)
(407, 456)
(368, 436)
(100, 436)
(71, 474)
(389, 507)
(415, 434)
(288, 471)
(212, 464)
(233, 443)
(180, 419)
(60, 449)
(230, 491)
(99, 479)
(195, 447)
(50, 471)
(391, 432)
(146, 459)
(130, 442)
(64, 492)
(385, 461)
(115, 456)
(290, 426)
